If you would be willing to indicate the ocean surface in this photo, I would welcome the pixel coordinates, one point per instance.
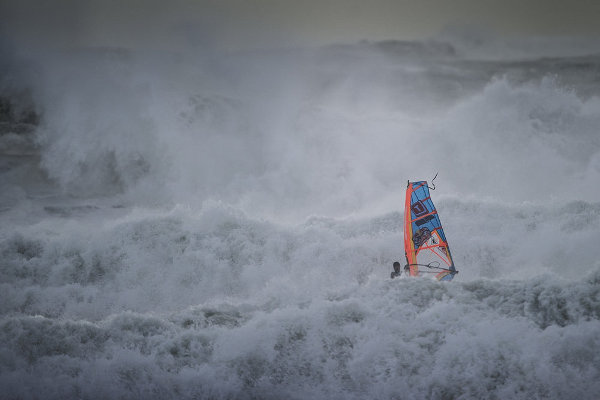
(209, 225)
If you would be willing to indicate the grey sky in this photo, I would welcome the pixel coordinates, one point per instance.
(258, 23)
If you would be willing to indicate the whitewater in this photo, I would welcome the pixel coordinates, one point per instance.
(207, 225)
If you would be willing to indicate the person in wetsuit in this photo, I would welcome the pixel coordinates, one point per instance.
(396, 272)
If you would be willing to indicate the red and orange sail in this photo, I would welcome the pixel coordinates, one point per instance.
(425, 243)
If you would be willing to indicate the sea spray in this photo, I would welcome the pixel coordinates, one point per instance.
(211, 226)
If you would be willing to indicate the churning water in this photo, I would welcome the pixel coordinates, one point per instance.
(209, 226)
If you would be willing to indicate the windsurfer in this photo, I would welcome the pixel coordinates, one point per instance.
(396, 271)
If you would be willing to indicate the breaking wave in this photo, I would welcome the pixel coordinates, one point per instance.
(223, 226)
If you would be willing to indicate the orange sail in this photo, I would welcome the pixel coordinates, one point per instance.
(425, 245)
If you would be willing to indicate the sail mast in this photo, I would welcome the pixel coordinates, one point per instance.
(409, 246)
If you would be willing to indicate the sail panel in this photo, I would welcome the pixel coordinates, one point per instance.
(425, 243)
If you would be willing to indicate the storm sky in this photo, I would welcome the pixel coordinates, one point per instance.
(239, 24)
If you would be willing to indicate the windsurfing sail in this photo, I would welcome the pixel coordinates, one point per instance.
(425, 244)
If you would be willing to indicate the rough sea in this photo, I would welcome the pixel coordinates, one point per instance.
(206, 225)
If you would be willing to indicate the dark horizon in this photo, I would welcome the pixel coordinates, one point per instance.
(239, 24)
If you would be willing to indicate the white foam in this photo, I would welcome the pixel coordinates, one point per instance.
(229, 232)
